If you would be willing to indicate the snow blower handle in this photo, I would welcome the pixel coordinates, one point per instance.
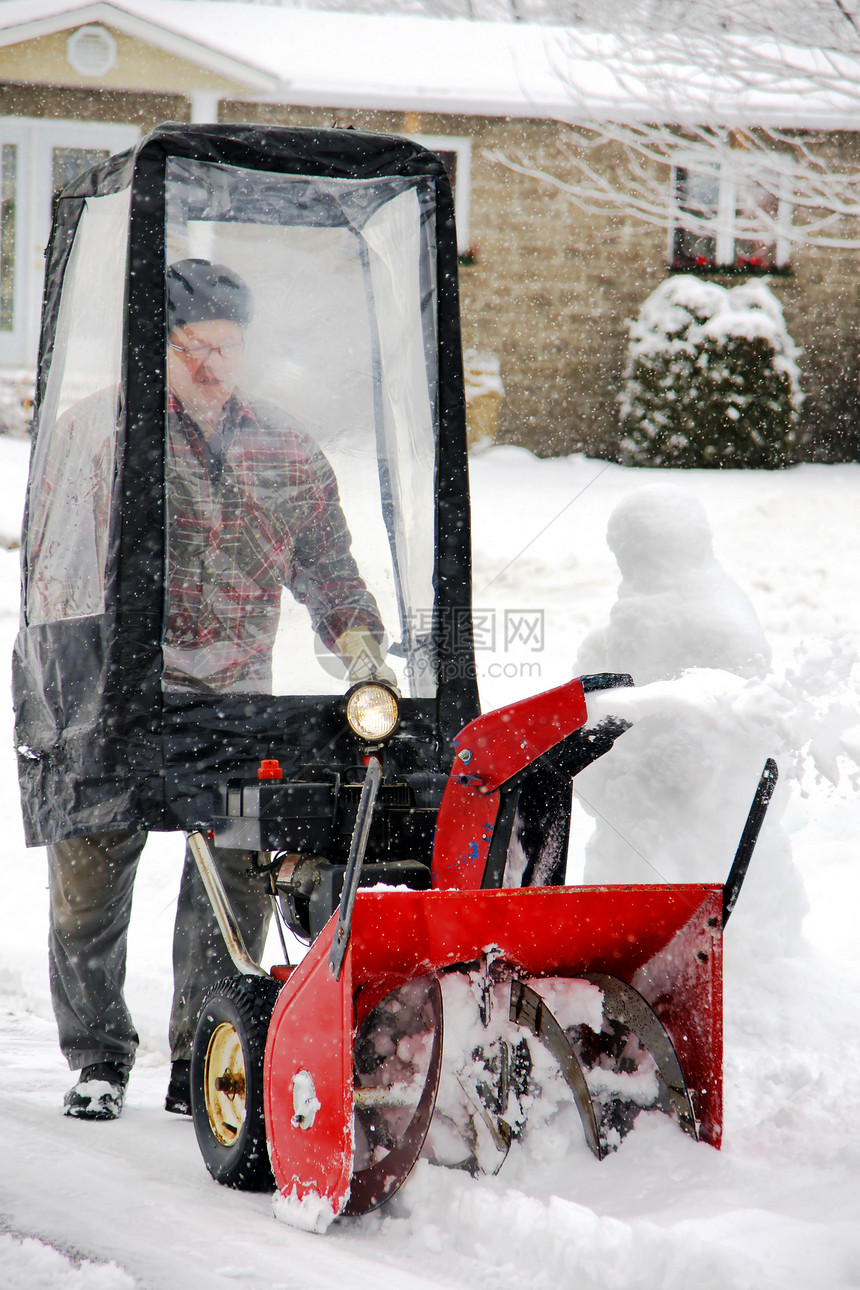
(749, 837)
(221, 908)
(357, 848)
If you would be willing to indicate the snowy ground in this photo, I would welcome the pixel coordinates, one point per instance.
(129, 1205)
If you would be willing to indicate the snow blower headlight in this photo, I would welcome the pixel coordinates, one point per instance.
(373, 711)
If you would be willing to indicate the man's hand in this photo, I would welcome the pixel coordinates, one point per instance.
(360, 651)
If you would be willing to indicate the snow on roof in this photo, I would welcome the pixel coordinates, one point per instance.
(825, 24)
(408, 62)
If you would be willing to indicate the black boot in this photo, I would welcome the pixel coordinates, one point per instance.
(178, 1099)
(98, 1094)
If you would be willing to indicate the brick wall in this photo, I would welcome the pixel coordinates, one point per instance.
(550, 293)
(822, 307)
(70, 104)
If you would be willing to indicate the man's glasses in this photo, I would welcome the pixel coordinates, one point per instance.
(202, 353)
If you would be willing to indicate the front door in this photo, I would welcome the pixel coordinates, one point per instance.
(37, 159)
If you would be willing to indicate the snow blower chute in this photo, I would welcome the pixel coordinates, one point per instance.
(253, 624)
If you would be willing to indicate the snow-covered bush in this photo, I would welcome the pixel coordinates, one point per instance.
(711, 380)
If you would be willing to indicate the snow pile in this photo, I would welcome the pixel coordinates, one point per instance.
(312, 1213)
(712, 378)
(28, 1263)
(546, 1241)
(671, 800)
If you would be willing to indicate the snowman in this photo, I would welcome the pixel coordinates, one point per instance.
(670, 801)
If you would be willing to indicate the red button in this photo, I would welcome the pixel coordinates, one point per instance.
(270, 769)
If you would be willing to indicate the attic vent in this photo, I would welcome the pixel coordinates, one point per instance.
(91, 51)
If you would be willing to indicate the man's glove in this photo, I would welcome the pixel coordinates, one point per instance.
(359, 650)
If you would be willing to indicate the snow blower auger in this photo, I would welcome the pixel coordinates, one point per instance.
(431, 1021)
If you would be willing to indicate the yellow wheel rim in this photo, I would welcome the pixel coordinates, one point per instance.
(225, 1084)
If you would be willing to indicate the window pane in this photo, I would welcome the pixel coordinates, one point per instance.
(68, 163)
(73, 462)
(301, 450)
(8, 179)
(756, 208)
(697, 194)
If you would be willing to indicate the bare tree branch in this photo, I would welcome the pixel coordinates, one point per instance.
(651, 106)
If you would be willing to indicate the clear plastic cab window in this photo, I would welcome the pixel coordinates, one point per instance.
(73, 457)
(301, 431)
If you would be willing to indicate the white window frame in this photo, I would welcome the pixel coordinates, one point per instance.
(463, 185)
(13, 343)
(730, 178)
(36, 138)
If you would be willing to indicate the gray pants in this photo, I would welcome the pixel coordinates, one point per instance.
(92, 881)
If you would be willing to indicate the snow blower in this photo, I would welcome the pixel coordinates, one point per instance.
(247, 616)
(428, 1019)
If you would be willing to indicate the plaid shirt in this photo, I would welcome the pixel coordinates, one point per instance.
(262, 514)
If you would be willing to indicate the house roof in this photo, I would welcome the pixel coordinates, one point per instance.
(24, 20)
(825, 24)
(411, 62)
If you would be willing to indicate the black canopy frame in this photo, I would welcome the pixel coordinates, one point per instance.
(101, 745)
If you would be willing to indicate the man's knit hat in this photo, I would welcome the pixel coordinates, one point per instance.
(198, 291)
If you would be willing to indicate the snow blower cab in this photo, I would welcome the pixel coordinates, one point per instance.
(248, 488)
(246, 615)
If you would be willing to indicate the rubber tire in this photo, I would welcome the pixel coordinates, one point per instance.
(245, 1003)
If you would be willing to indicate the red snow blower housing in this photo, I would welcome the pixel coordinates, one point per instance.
(429, 1021)
(266, 641)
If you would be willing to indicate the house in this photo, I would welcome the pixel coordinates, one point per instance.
(547, 287)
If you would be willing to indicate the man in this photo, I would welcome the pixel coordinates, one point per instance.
(252, 506)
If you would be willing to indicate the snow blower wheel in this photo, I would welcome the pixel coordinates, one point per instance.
(227, 1081)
